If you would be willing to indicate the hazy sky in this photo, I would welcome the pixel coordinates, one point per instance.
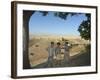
(50, 24)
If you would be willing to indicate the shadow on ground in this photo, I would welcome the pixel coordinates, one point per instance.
(83, 59)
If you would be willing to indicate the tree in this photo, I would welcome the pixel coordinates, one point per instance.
(85, 28)
(26, 18)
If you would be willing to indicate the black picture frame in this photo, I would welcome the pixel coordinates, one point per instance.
(14, 43)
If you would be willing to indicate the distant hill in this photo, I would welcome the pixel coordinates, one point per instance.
(73, 39)
(53, 36)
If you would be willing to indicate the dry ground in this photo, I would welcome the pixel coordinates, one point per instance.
(38, 53)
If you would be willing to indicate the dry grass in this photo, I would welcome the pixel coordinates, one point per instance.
(77, 49)
(38, 53)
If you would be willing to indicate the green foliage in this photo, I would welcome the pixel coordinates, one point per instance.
(85, 28)
(44, 13)
(64, 15)
(61, 15)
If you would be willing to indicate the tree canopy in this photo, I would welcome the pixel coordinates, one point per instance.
(85, 28)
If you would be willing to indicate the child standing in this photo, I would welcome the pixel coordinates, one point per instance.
(57, 49)
(66, 52)
(51, 52)
(58, 53)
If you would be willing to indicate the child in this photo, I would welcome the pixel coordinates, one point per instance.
(66, 52)
(58, 49)
(58, 53)
(51, 52)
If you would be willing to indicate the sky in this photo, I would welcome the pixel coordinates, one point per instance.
(50, 24)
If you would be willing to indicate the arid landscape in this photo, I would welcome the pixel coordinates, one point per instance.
(39, 43)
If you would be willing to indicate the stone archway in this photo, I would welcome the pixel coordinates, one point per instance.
(26, 18)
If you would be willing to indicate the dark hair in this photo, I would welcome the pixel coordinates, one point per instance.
(66, 42)
(52, 42)
(58, 43)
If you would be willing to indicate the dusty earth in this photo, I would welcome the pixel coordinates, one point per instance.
(38, 54)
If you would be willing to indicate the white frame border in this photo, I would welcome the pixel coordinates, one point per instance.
(35, 72)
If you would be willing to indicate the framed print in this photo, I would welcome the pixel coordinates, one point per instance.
(50, 39)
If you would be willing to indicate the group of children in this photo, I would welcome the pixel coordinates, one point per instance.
(53, 51)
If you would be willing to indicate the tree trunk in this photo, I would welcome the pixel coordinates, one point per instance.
(26, 17)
